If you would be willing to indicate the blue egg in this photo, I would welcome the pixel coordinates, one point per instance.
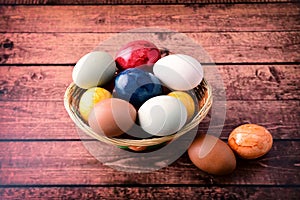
(137, 86)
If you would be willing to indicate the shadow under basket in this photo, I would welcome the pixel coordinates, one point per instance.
(203, 93)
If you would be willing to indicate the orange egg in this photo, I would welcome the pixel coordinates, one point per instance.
(112, 117)
(137, 148)
(250, 141)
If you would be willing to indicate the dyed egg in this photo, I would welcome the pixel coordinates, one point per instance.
(94, 69)
(162, 115)
(212, 155)
(112, 117)
(187, 101)
(90, 98)
(250, 141)
(178, 71)
(137, 86)
(136, 54)
(137, 148)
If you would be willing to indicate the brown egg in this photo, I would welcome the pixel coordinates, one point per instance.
(112, 117)
(250, 141)
(212, 155)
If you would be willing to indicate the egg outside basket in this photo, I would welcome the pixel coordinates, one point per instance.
(203, 93)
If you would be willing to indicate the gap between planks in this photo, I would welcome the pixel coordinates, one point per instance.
(203, 64)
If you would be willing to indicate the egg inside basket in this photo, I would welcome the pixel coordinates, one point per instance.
(202, 99)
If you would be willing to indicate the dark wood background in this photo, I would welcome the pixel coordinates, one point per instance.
(255, 44)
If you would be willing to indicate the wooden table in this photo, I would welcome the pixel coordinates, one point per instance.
(256, 47)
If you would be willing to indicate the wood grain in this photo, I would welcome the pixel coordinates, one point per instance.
(245, 82)
(132, 2)
(59, 163)
(230, 47)
(151, 192)
(41, 155)
(208, 18)
(49, 120)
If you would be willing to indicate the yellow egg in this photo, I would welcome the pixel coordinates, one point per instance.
(187, 101)
(90, 98)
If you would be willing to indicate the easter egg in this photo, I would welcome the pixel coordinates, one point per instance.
(162, 115)
(112, 117)
(187, 101)
(137, 86)
(136, 54)
(250, 141)
(178, 71)
(90, 98)
(94, 69)
(212, 155)
(137, 148)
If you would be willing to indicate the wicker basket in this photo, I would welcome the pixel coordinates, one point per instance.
(203, 93)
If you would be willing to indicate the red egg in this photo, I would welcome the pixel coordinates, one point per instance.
(112, 117)
(137, 54)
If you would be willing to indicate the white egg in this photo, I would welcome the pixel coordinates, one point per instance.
(162, 115)
(179, 71)
(94, 69)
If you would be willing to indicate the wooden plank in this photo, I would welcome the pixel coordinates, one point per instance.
(49, 120)
(150, 192)
(132, 2)
(69, 163)
(247, 82)
(209, 18)
(230, 47)
(34, 83)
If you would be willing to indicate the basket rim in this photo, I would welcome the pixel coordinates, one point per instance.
(201, 114)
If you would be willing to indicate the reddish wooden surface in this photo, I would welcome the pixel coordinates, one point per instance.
(256, 82)
(255, 44)
(228, 47)
(69, 163)
(37, 116)
(208, 18)
(158, 192)
(132, 2)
